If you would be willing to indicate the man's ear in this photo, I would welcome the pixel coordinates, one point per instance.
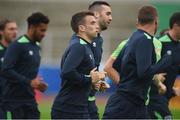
(96, 14)
(81, 28)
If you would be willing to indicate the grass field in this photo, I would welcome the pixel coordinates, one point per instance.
(45, 107)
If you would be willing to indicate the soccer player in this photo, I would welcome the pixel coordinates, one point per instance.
(158, 106)
(138, 67)
(20, 69)
(103, 14)
(77, 70)
(113, 65)
(102, 11)
(8, 30)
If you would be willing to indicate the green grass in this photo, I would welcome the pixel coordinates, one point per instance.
(101, 110)
(176, 113)
(45, 109)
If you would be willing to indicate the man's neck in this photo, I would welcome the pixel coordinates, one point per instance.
(148, 28)
(29, 35)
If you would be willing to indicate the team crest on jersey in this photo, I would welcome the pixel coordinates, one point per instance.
(94, 44)
(31, 52)
(169, 52)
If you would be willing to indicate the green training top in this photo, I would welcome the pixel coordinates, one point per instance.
(118, 49)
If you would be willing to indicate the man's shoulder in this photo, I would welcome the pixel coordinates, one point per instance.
(77, 44)
(164, 38)
(1, 47)
(2, 50)
(140, 36)
(22, 40)
(74, 40)
(19, 42)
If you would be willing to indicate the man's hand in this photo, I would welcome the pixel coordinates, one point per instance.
(162, 88)
(160, 77)
(96, 86)
(39, 84)
(104, 85)
(158, 80)
(97, 76)
(94, 76)
(102, 75)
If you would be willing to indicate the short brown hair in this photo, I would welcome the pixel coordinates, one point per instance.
(3, 23)
(147, 14)
(78, 19)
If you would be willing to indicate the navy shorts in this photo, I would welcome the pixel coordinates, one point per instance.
(119, 107)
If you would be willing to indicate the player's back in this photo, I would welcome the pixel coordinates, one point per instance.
(133, 82)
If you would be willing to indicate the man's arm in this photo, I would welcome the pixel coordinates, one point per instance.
(145, 69)
(11, 57)
(111, 72)
(72, 61)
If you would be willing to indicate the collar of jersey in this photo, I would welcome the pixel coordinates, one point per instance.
(26, 39)
(29, 39)
(146, 33)
(83, 41)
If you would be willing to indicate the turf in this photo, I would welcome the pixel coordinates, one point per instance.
(45, 108)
